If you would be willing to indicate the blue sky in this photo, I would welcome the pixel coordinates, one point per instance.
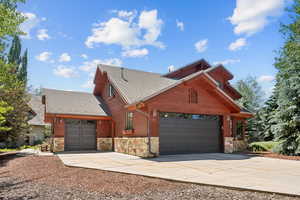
(66, 39)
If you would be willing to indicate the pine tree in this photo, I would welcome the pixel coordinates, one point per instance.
(287, 128)
(22, 71)
(18, 62)
(14, 55)
(251, 100)
(267, 119)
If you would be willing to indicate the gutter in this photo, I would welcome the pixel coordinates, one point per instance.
(148, 130)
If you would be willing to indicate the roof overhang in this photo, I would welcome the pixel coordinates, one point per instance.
(242, 115)
(78, 116)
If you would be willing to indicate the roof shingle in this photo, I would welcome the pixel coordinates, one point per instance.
(74, 103)
(135, 85)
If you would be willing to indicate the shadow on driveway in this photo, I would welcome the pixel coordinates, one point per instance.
(200, 156)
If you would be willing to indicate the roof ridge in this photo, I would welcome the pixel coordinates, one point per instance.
(126, 68)
(67, 91)
(189, 64)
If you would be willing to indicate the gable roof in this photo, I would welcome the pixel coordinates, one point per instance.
(136, 86)
(74, 103)
(38, 108)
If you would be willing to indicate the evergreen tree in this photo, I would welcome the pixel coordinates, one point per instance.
(267, 119)
(18, 62)
(22, 71)
(14, 55)
(287, 128)
(251, 100)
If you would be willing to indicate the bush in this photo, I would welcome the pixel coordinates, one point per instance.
(263, 146)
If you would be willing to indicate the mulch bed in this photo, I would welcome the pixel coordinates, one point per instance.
(34, 177)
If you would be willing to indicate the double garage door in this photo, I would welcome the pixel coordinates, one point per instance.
(80, 135)
(186, 133)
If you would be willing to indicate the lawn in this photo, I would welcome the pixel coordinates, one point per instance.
(4, 150)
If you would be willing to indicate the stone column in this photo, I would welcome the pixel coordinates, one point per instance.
(228, 144)
(104, 144)
(58, 144)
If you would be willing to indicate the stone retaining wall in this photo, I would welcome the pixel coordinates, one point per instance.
(58, 144)
(104, 144)
(137, 146)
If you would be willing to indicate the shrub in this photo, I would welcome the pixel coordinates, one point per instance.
(263, 146)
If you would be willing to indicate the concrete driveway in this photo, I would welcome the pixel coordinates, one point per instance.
(230, 170)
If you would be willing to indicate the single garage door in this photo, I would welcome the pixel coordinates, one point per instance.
(187, 133)
(80, 135)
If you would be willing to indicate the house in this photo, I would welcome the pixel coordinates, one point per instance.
(189, 110)
(36, 122)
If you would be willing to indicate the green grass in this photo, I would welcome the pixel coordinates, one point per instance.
(262, 146)
(20, 148)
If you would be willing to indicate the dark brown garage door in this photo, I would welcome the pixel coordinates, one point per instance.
(186, 133)
(80, 135)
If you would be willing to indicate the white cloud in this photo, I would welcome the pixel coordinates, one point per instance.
(251, 16)
(90, 66)
(226, 62)
(84, 56)
(128, 15)
(201, 45)
(135, 52)
(44, 56)
(238, 44)
(123, 31)
(42, 34)
(265, 78)
(171, 68)
(180, 25)
(148, 20)
(66, 72)
(65, 57)
(31, 22)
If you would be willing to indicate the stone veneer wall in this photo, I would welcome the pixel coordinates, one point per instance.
(58, 144)
(137, 146)
(239, 145)
(104, 144)
(228, 144)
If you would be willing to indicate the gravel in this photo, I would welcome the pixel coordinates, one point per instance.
(35, 177)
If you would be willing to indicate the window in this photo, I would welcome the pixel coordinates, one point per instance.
(111, 91)
(129, 121)
(193, 96)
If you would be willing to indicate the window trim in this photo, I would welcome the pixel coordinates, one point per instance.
(111, 90)
(129, 121)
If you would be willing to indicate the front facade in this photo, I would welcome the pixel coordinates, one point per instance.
(190, 110)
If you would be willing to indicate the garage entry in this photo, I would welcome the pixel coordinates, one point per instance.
(188, 133)
(80, 135)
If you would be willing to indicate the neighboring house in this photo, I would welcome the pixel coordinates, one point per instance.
(37, 124)
(189, 110)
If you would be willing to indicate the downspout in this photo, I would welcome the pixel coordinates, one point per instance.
(148, 130)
